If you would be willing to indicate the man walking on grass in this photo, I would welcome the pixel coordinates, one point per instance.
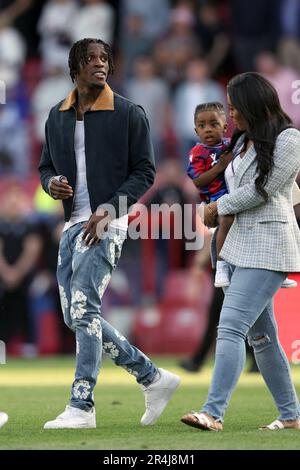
(98, 160)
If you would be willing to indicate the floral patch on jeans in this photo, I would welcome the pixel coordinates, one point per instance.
(112, 253)
(81, 389)
(80, 245)
(118, 335)
(115, 247)
(131, 371)
(111, 350)
(95, 328)
(78, 304)
(63, 299)
(103, 285)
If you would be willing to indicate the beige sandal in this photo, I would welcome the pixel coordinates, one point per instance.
(278, 425)
(202, 421)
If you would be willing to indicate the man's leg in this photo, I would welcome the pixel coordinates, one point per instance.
(64, 275)
(92, 270)
(71, 417)
(157, 385)
(84, 286)
(124, 354)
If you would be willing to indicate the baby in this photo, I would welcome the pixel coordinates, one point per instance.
(207, 163)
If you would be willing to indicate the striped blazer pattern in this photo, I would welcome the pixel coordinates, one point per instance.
(264, 234)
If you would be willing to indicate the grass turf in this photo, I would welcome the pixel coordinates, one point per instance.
(34, 391)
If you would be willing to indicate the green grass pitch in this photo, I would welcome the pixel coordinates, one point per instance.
(34, 391)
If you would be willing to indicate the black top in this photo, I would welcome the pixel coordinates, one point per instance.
(119, 154)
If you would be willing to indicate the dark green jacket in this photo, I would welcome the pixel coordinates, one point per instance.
(118, 148)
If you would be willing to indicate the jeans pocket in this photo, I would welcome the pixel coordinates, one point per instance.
(114, 244)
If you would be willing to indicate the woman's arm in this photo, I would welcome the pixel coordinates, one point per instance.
(286, 163)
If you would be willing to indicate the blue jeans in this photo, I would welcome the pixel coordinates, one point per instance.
(83, 274)
(248, 312)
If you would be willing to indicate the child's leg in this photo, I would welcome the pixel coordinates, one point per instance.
(222, 274)
(225, 222)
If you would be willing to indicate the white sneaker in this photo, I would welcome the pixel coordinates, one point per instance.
(73, 418)
(222, 274)
(3, 418)
(289, 283)
(157, 395)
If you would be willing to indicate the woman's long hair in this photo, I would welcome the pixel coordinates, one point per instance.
(257, 101)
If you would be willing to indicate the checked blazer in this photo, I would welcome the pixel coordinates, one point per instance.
(264, 234)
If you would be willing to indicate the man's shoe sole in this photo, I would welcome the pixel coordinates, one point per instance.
(85, 426)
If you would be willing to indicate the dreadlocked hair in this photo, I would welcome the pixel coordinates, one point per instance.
(78, 55)
(212, 106)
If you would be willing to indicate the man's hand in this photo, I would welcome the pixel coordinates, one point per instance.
(95, 227)
(211, 214)
(60, 189)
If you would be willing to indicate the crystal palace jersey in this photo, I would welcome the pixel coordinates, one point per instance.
(201, 159)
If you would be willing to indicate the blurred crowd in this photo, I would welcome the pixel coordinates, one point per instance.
(170, 55)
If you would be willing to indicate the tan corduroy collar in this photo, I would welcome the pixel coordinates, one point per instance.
(104, 102)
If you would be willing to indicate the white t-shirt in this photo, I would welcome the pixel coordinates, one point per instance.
(81, 206)
(230, 173)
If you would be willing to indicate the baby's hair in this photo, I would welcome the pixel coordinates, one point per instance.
(213, 106)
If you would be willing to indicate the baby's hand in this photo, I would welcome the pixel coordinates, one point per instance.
(225, 159)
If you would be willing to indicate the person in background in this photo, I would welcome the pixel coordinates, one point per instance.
(213, 37)
(255, 28)
(173, 51)
(54, 27)
(93, 18)
(289, 41)
(198, 87)
(20, 250)
(282, 79)
(151, 92)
